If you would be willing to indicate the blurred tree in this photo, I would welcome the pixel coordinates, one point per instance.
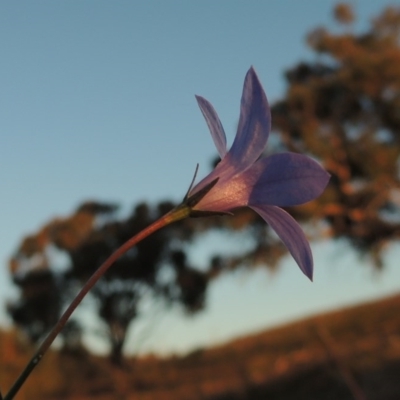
(343, 13)
(341, 108)
(87, 241)
(158, 267)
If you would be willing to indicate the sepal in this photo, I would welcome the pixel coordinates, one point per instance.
(194, 199)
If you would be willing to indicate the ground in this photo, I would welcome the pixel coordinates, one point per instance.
(348, 354)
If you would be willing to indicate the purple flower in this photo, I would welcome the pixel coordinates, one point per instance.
(242, 179)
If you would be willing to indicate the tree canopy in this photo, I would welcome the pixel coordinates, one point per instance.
(343, 108)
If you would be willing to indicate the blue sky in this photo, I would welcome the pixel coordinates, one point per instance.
(97, 102)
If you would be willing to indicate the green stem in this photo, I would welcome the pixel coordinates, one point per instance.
(176, 214)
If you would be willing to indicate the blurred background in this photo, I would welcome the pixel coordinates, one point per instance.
(101, 134)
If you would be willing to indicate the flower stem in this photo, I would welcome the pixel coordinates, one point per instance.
(176, 214)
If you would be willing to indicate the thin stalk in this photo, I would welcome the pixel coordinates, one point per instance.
(176, 214)
(347, 376)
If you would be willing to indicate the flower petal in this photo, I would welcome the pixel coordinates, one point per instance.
(254, 124)
(291, 235)
(225, 195)
(214, 124)
(285, 180)
(251, 137)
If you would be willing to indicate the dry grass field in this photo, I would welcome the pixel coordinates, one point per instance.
(348, 354)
